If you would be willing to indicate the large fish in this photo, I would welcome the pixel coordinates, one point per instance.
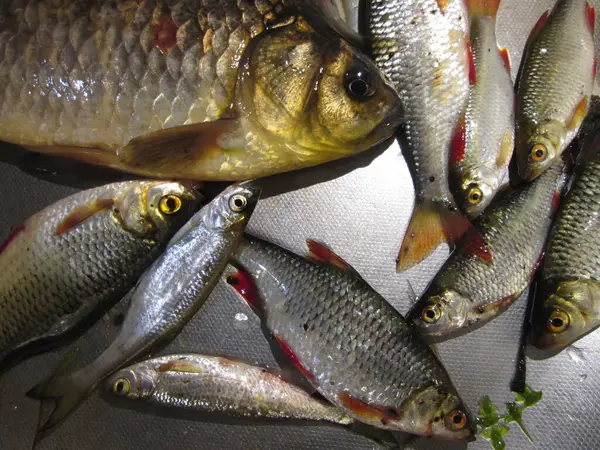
(164, 300)
(82, 253)
(555, 85)
(216, 384)
(211, 90)
(484, 144)
(422, 46)
(567, 303)
(355, 349)
(494, 262)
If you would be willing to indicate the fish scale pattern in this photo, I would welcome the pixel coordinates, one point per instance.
(45, 278)
(146, 65)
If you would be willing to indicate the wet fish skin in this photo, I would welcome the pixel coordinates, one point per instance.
(217, 384)
(568, 289)
(164, 300)
(485, 274)
(358, 351)
(187, 89)
(81, 253)
(479, 159)
(555, 85)
(421, 46)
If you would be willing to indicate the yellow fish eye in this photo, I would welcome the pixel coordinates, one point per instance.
(539, 152)
(431, 313)
(474, 196)
(122, 386)
(169, 204)
(558, 321)
(457, 419)
(237, 203)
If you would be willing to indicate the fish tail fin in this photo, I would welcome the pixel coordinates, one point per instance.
(429, 226)
(483, 7)
(66, 392)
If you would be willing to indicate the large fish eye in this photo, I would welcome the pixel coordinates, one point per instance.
(456, 420)
(122, 386)
(237, 202)
(431, 313)
(539, 152)
(558, 321)
(474, 195)
(169, 204)
(359, 84)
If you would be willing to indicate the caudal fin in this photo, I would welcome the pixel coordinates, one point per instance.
(483, 7)
(429, 226)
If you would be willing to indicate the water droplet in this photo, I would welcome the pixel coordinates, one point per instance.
(241, 321)
(576, 354)
(583, 377)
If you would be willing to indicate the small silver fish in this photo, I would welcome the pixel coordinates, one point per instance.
(165, 299)
(216, 384)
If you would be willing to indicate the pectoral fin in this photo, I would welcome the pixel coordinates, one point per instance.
(579, 114)
(81, 213)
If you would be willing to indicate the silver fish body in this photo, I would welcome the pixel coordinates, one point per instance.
(421, 46)
(567, 304)
(494, 262)
(479, 159)
(352, 345)
(216, 384)
(555, 85)
(166, 297)
(81, 253)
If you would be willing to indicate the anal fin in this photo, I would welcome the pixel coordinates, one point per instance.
(322, 253)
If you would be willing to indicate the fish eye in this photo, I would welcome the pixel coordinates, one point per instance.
(169, 204)
(122, 386)
(474, 195)
(558, 321)
(431, 313)
(539, 152)
(456, 420)
(237, 202)
(358, 84)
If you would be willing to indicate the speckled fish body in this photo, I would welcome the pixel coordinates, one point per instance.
(555, 85)
(480, 155)
(216, 384)
(567, 304)
(494, 262)
(351, 344)
(81, 253)
(103, 81)
(422, 47)
(165, 298)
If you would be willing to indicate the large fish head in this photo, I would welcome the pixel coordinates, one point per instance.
(156, 207)
(567, 314)
(438, 413)
(441, 312)
(231, 210)
(538, 147)
(135, 382)
(315, 95)
(477, 188)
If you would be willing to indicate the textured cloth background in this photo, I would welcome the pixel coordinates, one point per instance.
(360, 207)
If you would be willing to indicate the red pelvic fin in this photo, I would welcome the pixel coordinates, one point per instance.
(243, 283)
(483, 7)
(322, 253)
(590, 13)
(579, 114)
(443, 5)
(367, 412)
(11, 237)
(505, 58)
(555, 201)
(539, 25)
(81, 213)
(294, 359)
(472, 69)
(537, 265)
(459, 142)
(474, 244)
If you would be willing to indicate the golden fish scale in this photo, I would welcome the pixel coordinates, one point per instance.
(97, 73)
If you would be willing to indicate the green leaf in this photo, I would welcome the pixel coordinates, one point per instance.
(528, 398)
(514, 413)
(496, 435)
(488, 413)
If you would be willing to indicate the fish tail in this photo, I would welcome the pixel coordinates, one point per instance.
(430, 225)
(483, 7)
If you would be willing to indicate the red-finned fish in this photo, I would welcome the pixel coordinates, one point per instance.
(555, 85)
(422, 46)
(481, 152)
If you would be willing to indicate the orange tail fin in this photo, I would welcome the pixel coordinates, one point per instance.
(429, 226)
(483, 7)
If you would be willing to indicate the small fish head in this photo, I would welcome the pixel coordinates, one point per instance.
(477, 189)
(157, 207)
(231, 209)
(538, 148)
(135, 382)
(435, 412)
(570, 312)
(440, 313)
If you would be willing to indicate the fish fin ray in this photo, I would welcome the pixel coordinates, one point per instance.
(458, 145)
(322, 253)
(429, 226)
(506, 149)
(365, 411)
(483, 7)
(590, 13)
(580, 112)
(505, 58)
(81, 213)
